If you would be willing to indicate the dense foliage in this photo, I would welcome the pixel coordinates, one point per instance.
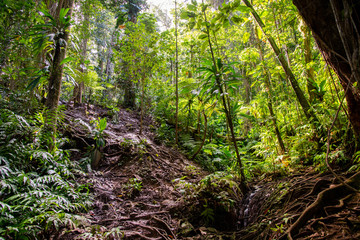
(39, 193)
(255, 94)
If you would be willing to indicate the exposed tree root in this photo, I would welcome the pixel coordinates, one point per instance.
(166, 227)
(335, 192)
(337, 207)
(318, 185)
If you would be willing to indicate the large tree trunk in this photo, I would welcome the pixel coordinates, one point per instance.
(336, 26)
(57, 68)
(55, 78)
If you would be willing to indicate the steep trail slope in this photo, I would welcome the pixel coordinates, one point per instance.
(133, 187)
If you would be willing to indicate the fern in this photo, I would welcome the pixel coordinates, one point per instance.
(38, 192)
(5, 171)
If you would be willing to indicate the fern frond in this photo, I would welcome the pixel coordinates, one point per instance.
(5, 171)
(4, 161)
(8, 186)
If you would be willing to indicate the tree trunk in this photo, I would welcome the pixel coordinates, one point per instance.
(336, 26)
(310, 76)
(226, 106)
(129, 96)
(130, 93)
(79, 87)
(55, 78)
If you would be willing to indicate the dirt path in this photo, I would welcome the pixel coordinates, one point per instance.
(136, 197)
(133, 188)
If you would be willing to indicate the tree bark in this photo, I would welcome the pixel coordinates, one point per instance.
(55, 78)
(335, 25)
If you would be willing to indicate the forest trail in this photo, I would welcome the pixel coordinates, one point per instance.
(133, 185)
(137, 194)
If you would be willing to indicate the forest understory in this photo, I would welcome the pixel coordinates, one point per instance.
(201, 119)
(145, 190)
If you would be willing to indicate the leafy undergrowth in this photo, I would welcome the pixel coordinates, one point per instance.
(38, 193)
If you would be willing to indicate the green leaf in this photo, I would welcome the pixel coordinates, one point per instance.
(33, 83)
(204, 7)
(66, 60)
(219, 63)
(259, 33)
(243, 9)
(246, 37)
(203, 36)
(109, 85)
(63, 13)
(204, 46)
(191, 7)
(102, 124)
(191, 25)
(226, 23)
(184, 15)
(236, 19)
(235, 4)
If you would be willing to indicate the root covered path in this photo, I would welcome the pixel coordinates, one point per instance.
(137, 195)
(133, 184)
